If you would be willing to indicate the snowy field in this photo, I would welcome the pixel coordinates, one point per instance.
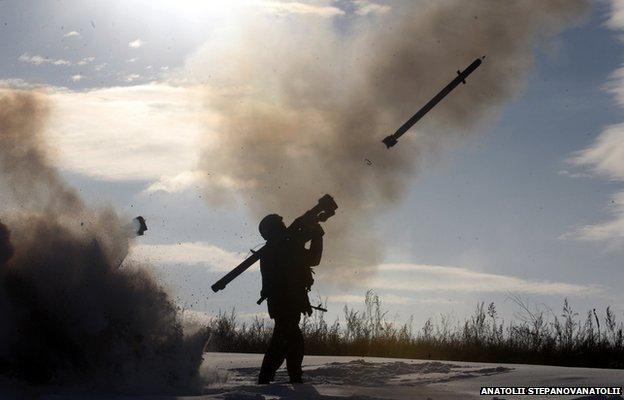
(378, 378)
(329, 378)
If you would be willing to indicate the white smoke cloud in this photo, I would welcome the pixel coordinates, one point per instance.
(301, 110)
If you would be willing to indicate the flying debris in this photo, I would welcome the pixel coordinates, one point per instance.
(140, 225)
(391, 140)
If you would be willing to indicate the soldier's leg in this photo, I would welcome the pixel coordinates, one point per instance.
(294, 352)
(275, 354)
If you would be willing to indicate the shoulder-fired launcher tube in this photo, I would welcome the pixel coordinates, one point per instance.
(391, 140)
(321, 212)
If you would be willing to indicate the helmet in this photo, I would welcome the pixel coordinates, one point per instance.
(271, 226)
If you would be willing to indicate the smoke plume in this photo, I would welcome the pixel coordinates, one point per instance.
(68, 314)
(304, 102)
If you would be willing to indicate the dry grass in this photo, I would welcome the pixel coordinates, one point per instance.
(538, 336)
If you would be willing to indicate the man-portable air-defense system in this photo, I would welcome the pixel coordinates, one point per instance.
(326, 206)
(321, 212)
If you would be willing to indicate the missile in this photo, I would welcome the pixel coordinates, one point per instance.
(391, 140)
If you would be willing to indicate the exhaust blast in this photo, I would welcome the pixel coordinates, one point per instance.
(68, 315)
(304, 101)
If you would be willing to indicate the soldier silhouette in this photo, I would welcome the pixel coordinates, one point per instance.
(286, 268)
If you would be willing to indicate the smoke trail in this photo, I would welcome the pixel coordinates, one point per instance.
(316, 95)
(68, 315)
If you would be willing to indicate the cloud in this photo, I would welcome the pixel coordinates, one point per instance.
(133, 59)
(135, 44)
(71, 34)
(188, 179)
(393, 277)
(85, 60)
(421, 277)
(176, 183)
(188, 253)
(611, 231)
(294, 7)
(131, 77)
(16, 83)
(100, 67)
(615, 20)
(40, 60)
(61, 62)
(365, 7)
(358, 299)
(615, 86)
(604, 157)
(571, 174)
(141, 132)
(76, 78)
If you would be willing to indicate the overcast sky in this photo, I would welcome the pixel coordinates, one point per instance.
(532, 205)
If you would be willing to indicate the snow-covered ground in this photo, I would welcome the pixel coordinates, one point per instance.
(233, 377)
(383, 378)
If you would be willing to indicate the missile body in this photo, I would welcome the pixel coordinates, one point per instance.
(391, 140)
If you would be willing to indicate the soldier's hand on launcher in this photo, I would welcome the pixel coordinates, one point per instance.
(317, 230)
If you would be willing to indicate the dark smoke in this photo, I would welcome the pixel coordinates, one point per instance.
(68, 314)
(6, 248)
(304, 102)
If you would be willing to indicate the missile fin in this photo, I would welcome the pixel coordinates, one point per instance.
(389, 141)
(463, 80)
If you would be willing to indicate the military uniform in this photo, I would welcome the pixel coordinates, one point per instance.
(286, 280)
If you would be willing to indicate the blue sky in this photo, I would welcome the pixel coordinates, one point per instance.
(517, 209)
